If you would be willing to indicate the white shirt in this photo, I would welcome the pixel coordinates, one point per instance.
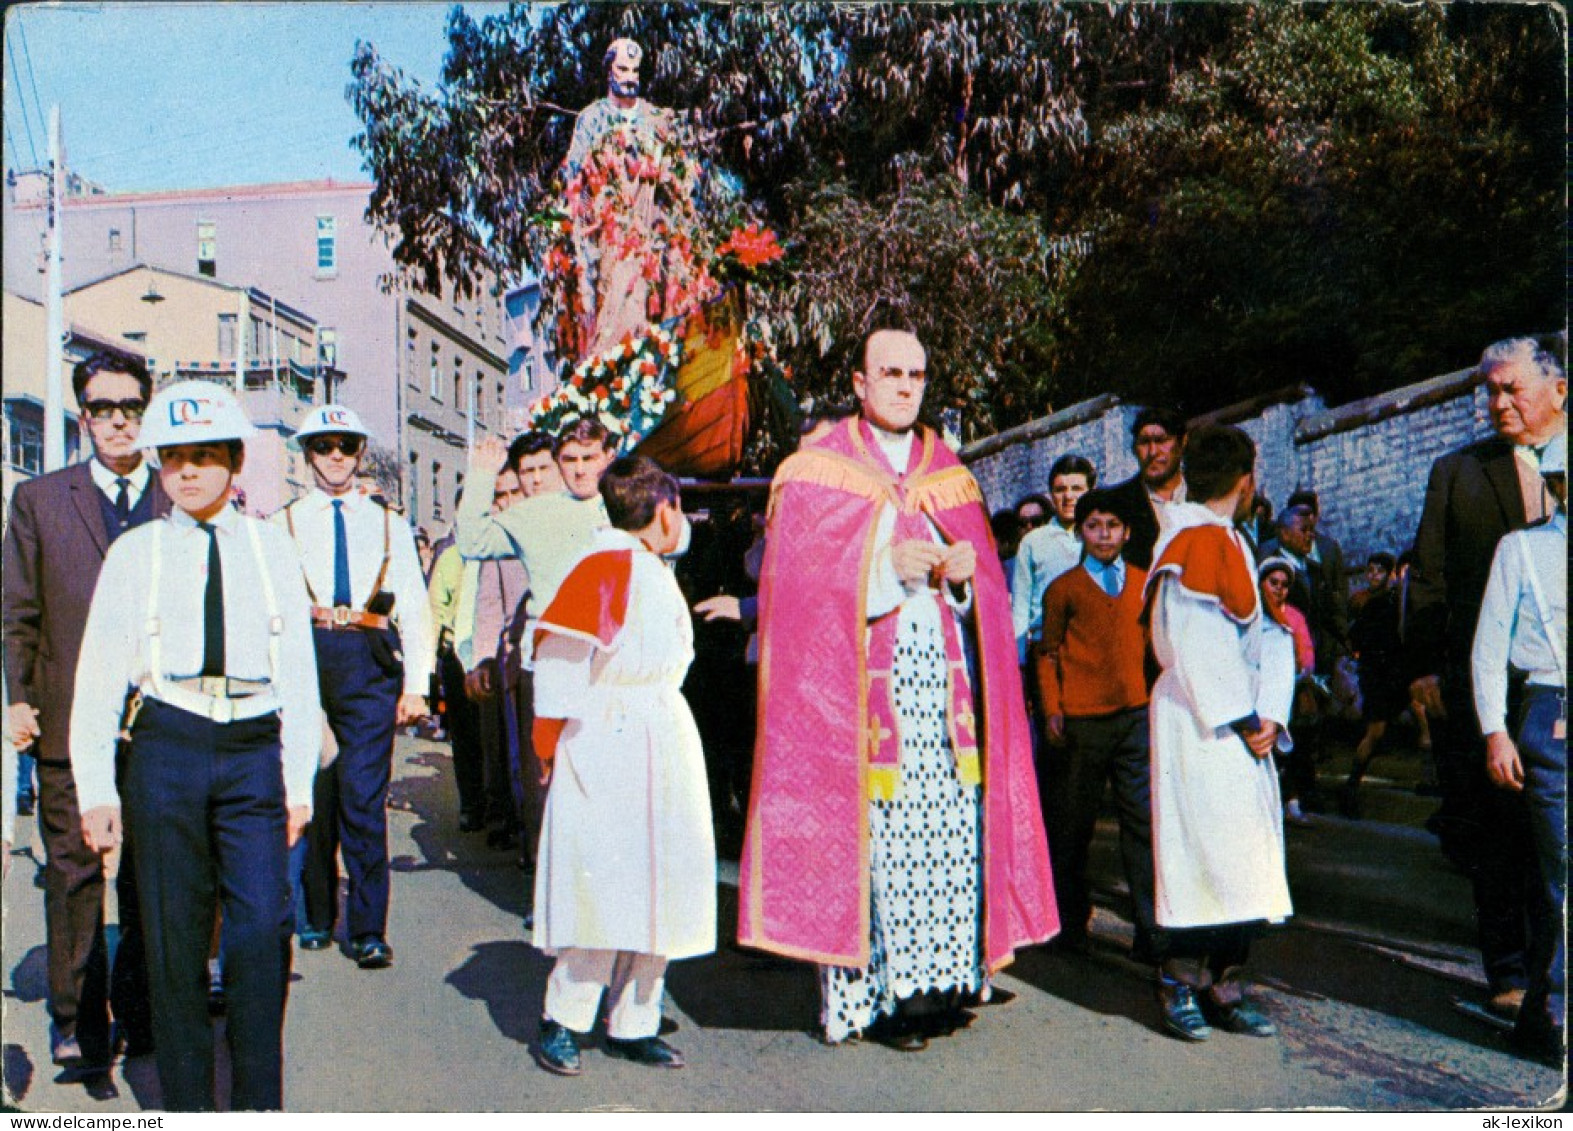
(109, 482)
(312, 517)
(115, 643)
(886, 589)
(1511, 629)
(1043, 555)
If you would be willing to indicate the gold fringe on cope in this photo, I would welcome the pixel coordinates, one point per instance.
(882, 782)
(953, 487)
(968, 766)
(834, 471)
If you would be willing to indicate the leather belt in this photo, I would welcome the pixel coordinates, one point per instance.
(342, 616)
(220, 686)
(215, 707)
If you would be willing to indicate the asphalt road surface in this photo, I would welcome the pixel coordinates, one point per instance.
(1361, 982)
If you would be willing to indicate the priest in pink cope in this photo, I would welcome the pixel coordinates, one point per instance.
(894, 834)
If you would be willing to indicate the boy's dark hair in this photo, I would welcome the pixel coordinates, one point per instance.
(1103, 500)
(1073, 465)
(1215, 458)
(1383, 559)
(1167, 419)
(527, 444)
(1410, 557)
(106, 361)
(1305, 497)
(584, 430)
(1040, 500)
(633, 488)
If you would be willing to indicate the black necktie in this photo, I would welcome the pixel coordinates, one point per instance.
(123, 503)
(213, 607)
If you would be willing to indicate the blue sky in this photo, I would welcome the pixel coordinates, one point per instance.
(193, 95)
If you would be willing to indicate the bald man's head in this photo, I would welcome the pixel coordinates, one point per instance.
(890, 385)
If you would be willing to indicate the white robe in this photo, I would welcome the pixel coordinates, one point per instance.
(627, 851)
(1216, 813)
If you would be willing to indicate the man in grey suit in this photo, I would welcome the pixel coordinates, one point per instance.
(1474, 496)
(60, 528)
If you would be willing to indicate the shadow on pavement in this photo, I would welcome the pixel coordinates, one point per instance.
(491, 873)
(30, 976)
(18, 1069)
(510, 978)
(744, 989)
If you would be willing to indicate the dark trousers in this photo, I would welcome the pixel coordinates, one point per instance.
(496, 732)
(207, 803)
(1200, 956)
(350, 798)
(527, 767)
(73, 918)
(462, 722)
(1485, 832)
(1106, 749)
(1545, 759)
(128, 985)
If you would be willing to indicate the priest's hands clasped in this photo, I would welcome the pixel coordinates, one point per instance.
(920, 562)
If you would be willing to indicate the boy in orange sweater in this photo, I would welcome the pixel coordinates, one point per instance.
(1090, 673)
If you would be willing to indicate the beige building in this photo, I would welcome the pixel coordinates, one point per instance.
(192, 327)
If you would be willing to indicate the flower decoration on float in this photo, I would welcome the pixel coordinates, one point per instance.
(628, 389)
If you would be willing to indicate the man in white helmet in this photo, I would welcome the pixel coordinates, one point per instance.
(203, 620)
(372, 628)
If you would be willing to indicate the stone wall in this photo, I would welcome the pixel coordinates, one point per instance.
(1368, 461)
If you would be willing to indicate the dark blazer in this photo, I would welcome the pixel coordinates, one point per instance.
(54, 547)
(1136, 509)
(1472, 499)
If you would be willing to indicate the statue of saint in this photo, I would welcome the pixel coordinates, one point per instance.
(629, 190)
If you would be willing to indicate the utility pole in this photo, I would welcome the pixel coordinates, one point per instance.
(54, 302)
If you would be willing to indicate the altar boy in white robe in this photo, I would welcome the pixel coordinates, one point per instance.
(1219, 709)
(625, 878)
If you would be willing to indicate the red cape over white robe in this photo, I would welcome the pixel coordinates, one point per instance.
(805, 867)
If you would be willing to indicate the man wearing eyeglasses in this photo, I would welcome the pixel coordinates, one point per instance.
(372, 628)
(61, 526)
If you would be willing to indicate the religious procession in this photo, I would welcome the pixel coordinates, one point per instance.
(900, 716)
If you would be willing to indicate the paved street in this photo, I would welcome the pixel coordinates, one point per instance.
(1361, 984)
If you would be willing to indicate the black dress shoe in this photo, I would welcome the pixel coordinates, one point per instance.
(315, 938)
(1243, 1017)
(650, 1051)
(558, 1049)
(1182, 1017)
(372, 953)
(897, 1033)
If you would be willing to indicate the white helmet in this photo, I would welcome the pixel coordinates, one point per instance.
(192, 412)
(333, 418)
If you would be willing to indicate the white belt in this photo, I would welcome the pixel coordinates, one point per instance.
(219, 710)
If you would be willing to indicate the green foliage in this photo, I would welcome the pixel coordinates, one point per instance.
(1187, 204)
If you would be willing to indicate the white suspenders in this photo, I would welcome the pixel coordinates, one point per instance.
(217, 708)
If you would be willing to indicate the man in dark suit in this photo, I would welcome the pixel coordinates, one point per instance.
(1474, 496)
(1158, 443)
(60, 528)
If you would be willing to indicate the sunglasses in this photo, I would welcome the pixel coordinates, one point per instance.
(327, 445)
(104, 410)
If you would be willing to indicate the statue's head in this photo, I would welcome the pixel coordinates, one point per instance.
(622, 68)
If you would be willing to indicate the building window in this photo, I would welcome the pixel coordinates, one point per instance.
(415, 484)
(26, 450)
(328, 347)
(226, 336)
(207, 247)
(327, 246)
(411, 377)
(436, 374)
(460, 401)
(436, 491)
(134, 335)
(114, 239)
